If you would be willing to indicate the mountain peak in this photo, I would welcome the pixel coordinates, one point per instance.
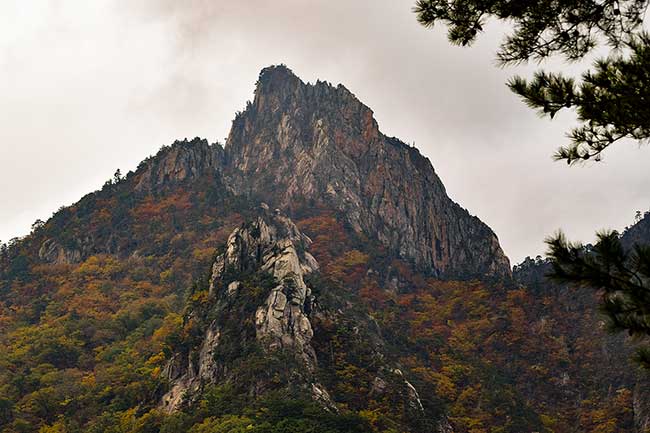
(299, 143)
(279, 84)
(276, 80)
(279, 72)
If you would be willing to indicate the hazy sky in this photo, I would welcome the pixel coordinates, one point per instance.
(90, 86)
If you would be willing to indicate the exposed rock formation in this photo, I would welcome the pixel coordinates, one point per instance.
(270, 245)
(298, 142)
(273, 244)
(184, 160)
(260, 277)
(53, 252)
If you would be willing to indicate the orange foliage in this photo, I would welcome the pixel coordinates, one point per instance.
(328, 236)
(153, 208)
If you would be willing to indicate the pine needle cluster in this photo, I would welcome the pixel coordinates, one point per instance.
(621, 276)
(610, 101)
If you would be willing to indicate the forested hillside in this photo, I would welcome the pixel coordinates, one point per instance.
(309, 276)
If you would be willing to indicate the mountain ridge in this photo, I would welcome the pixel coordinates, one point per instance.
(285, 148)
(298, 145)
(361, 298)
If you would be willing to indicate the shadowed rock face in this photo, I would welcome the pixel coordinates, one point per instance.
(299, 142)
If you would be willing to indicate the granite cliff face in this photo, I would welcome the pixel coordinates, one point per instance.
(272, 247)
(297, 145)
(273, 244)
(298, 142)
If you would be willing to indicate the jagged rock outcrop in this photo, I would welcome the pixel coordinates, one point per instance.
(53, 252)
(274, 245)
(183, 160)
(259, 281)
(269, 245)
(297, 143)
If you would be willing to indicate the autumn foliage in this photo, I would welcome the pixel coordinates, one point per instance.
(84, 343)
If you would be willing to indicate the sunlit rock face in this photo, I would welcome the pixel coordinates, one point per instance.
(273, 244)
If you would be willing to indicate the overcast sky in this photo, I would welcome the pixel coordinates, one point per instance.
(90, 86)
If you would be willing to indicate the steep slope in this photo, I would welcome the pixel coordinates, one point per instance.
(169, 301)
(609, 356)
(597, 374)
(299, 143)
(639, 233)
(263, 306)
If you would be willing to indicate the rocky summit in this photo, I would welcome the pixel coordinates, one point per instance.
(310, 274)
(299, 144)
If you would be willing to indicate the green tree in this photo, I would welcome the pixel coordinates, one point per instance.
(38, 224)
(611, 102)
(621, 274)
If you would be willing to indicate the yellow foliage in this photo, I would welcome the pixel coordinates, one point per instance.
(57, 427)
(203, 254)
(166, 276)
(445, 387)
(347, 266)
(199, 297)
(172, 324)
